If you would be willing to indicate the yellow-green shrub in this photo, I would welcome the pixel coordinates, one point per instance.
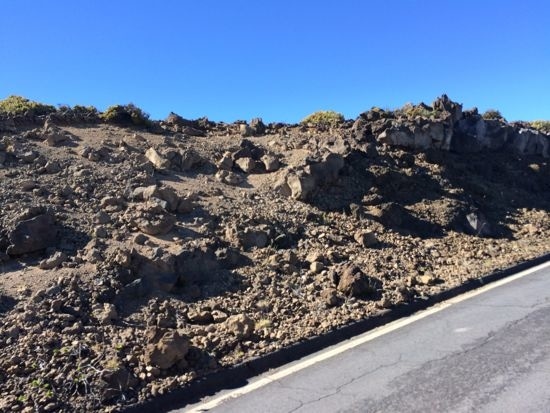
(542, 125)
(125, 115)
(18, 105)
(324, 118)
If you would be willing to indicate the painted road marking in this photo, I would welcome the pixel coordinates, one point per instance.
(357, 341)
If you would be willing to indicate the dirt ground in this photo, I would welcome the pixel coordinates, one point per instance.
(169, 256)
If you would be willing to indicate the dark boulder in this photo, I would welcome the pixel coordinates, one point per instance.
(31, 235)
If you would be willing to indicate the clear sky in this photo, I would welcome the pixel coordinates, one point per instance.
(280, 60)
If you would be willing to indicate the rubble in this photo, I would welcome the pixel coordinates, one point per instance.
(154, 257)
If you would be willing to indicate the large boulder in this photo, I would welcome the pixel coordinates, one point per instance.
(152, 192)
(303, 183)
(31, 235)
(447, 107)
(530, 142)
(398, 136)
(354, 282)
(153, 219)
(157, 272)
(158, 161)
(169, 350)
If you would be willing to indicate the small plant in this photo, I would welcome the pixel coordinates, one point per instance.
(18, 105)
(323, 118)
(541, 125)
(492, 114)
(111, 363)
(263, 323)
(413, 111)
(126, 115)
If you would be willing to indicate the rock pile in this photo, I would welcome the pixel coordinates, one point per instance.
(135, 261)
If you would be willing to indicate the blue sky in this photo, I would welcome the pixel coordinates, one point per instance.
(279, 60)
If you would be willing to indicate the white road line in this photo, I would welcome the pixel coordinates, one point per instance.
(357, 341)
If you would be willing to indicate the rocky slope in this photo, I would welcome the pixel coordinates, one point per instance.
(133, 261)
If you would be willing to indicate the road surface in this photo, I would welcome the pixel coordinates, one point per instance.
(486, 351)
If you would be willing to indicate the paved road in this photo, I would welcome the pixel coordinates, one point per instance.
(487, 353)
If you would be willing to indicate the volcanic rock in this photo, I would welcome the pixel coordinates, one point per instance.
(32, 235)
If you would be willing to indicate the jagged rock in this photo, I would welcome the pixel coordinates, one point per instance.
(389, 214)
(399, 136)
(54, 261)
(28, 156)
(249, 238)
(105, 313)
(52, 167)
(300, 185)
(200, 317)
(169, 350)
(330, 297)
(157, 272)
(115, 382)
(327, 171)
(185, 160)
(32, 235)
(530, 142)
(226, 162)
(185, 205)
(197, 265)
(102, 218)
(100, 232)
(316, 267)
(228, 177)
(365, 238)
(7, 125)
(53, 135)
(246, 130)
(271, 163)
(166, 193)
(444, 104)
(28, 185)
(190, 131)
(154, 220)
(476, 224)
(354, 282)
(156, 159)
(240, 325)
(247, 165)
(257, 126)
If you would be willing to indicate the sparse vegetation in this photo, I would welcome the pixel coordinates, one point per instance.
(18, 105)
(128, 114)
(413, 111)
(541, 125)
(264, 323)
(323, 118)
(79, 113)
(492, 114)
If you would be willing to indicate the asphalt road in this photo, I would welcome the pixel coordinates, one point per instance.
(486, 353)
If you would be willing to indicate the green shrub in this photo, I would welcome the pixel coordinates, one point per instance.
(85, 110)
(78, 113)
(324, 118)
(413, 111)
(18, 105)
(492, 114)
(126, 115)
(541, 125)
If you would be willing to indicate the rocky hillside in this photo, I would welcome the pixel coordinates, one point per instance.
(136, 257)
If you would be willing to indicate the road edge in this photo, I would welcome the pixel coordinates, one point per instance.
(237, 376)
